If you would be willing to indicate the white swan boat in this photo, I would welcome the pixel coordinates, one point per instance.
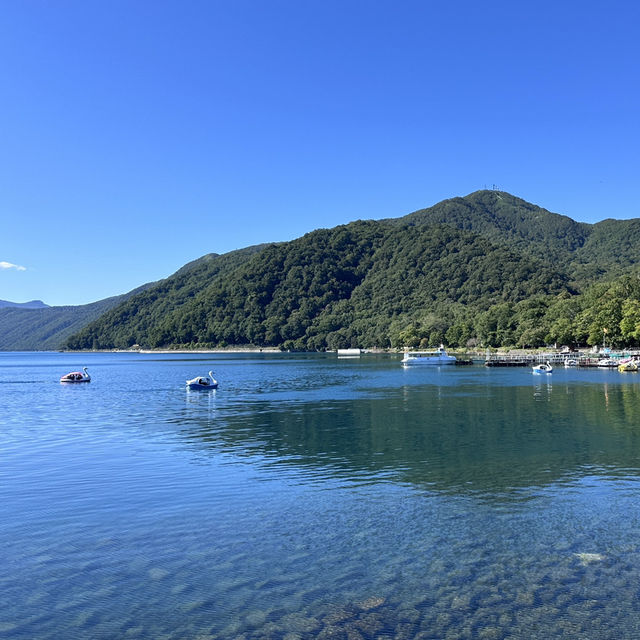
(544, 367)
(610, 363)
(203, 382)
(77, 376)
(437, 357)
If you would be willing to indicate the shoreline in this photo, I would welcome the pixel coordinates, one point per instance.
(265, 350)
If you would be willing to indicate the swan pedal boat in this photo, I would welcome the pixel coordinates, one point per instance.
(77, 376)
(203, 382)
(545, 367)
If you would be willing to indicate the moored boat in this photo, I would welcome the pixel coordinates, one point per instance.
(628, 365)
(203, 382)
(77, 376)
(437, 357)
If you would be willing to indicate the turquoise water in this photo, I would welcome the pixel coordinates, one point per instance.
(315, 497)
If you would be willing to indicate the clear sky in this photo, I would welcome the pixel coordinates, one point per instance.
(138, 135)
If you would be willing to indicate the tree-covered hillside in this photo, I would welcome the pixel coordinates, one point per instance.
(141, 314)
(357, 284)
(487, 269)
(505, 219)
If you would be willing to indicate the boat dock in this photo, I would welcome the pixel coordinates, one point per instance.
(500, 361)
(609, 361)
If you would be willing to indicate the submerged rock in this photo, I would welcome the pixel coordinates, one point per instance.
(588, 558)
(156, 573)
(370, 603)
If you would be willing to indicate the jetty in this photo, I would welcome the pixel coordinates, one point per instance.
(509, 361)
(603, 360)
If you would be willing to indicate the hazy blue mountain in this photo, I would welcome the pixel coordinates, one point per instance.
(47, 328)
(33, 304)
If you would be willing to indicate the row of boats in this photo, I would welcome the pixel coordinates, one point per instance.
(200, 382)
(628, 364)
(441, 357)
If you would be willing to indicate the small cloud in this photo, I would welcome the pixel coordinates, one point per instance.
(9, 265)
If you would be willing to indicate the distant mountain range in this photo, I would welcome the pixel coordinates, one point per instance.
(33, 304)
(486, 269)
(35, 326)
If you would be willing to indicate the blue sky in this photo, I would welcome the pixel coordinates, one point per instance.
(136, 136)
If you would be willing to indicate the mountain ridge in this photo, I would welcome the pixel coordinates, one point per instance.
(274, 298)
(488, 268)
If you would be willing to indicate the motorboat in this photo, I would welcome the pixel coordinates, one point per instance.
(203, 382)
(77, 376)
(543, 367)
(571, 362)
(437, 357)
(610, 363)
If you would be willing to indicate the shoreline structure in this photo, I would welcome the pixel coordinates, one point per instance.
(484, 354)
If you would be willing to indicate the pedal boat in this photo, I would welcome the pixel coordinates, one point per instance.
(203, 382)
(77, 376)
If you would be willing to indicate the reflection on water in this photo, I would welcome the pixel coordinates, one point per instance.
(454, 439)
(310, 497)
(542, 391)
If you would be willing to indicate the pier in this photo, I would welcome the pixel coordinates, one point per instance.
(559, 359)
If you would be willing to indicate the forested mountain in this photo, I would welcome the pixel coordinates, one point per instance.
(584, 251)
(503, 218)
(611, 247)
(335, 288)
(142, 316)
(487, 269)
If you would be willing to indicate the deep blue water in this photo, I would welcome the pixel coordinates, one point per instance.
(311, 496)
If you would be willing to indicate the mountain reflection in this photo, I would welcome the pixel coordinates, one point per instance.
(471, 439)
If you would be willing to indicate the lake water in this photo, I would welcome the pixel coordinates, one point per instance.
(316, 497)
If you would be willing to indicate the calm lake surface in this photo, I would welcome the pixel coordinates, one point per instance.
(312, 496)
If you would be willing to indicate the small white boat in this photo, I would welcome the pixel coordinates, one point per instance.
(437, 357)
(544, 367)
(608, 363)
(570, 363)
(77, 376)
(203, 382)
(349, 352)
